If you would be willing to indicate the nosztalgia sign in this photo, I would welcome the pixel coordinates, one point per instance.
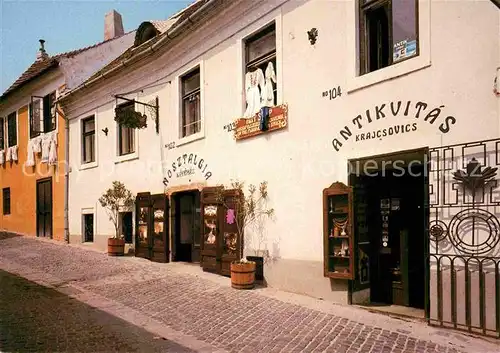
(186, 164)
(418, 110)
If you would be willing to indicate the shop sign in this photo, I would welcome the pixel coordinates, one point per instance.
(420, 111)
(245, 128)
(404, 49)
(185, 165)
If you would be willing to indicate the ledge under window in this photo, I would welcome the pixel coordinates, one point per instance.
(191, 138)
(89, 165)
(127, 157)
(388, 73)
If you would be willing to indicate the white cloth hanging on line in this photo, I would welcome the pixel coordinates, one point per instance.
(53, 151)
(46, 149)
(30, 158)
(14, 153)
(2, 157)
(8, 155)
(253, 80)
(268, 89)
(37, 144)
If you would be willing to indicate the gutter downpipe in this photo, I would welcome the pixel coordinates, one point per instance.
(169, 35)
(66, 180)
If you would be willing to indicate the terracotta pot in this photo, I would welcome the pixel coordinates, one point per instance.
(116, 247)
(243, 275)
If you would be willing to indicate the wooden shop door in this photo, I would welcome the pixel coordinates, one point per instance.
(152, 227)
(220, 242)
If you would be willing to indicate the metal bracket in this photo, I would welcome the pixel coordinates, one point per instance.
(155, 108)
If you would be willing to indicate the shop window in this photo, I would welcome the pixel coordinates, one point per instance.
(12, 129)
(88, 227)
(6, 200)
(191, 108)
(388, 32)
(260, 64)
(2, 133)
(126, 135)
(43, 114)
(88, 140)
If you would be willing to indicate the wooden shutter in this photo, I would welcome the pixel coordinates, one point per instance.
(231, 241)
(2, 133)
(35, 116)
(209, 228)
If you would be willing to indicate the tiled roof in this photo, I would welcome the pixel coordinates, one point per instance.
(41, 66)
(162, 26)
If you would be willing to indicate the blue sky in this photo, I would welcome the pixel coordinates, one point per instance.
(65, 25)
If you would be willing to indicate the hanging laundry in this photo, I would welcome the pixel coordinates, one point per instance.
(37, 144)
(53, 151)
(268, 89)
(14, 153)
(46, 149)
(2, 157)
(253, 80)
(8, 155)
(30, 158)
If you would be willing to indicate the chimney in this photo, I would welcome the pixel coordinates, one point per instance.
(42, 54)
(113, 25)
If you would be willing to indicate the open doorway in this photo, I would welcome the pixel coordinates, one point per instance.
(390, 217)
(186, 230)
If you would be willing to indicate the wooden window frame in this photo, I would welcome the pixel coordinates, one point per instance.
(49, 112)
(86, 134)
(6, 201)
(363, 50)
(130, 148)
(13, 130)
(264, 59)
(193, 94)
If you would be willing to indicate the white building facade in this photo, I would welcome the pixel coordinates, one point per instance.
(353, 81)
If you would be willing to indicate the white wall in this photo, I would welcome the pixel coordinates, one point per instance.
(455, 71)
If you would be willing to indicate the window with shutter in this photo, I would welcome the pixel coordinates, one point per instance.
(12, 129)
(49, 112)
(35, 116)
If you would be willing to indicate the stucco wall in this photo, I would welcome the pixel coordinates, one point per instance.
(21, 179)
(454, 72)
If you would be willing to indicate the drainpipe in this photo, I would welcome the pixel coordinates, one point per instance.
(66, 180)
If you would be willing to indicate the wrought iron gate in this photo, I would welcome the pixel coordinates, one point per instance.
(462, 272)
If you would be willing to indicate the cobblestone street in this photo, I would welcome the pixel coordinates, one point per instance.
(82, 300)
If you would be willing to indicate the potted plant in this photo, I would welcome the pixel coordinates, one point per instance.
(251, 210)
(130, 118)
(115, 199)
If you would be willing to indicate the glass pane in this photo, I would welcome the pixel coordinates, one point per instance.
(191, 107)
(159, 221)
(88, 125)
(210, 222)
(35, 116)
(143, 226)
(404, 29)
(261, 46)
(191, 82)
(131, 142)
(88, 148)
(12, 129)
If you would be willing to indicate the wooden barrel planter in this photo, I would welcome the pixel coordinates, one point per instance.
(116, 247)
(242, 275)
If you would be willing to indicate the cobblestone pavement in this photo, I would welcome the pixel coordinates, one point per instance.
(34, 318)
(202, 307)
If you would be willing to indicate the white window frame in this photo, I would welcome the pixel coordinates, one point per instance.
(178, 84)
(95, 163)
(276, 17)
(131, 156)
(356, 81)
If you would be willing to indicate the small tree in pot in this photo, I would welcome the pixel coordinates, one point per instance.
(116, 198)
(251, 209)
